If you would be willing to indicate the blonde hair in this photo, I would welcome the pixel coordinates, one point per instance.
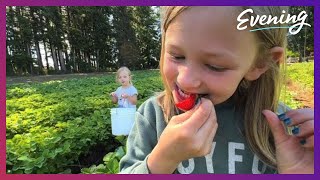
(253, 94)
(124, 68)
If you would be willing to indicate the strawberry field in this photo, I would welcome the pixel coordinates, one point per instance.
(64, 126)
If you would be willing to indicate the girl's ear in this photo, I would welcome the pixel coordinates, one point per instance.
(277, 54)
(255, 72)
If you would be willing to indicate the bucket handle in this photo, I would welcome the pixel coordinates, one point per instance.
(124, 101)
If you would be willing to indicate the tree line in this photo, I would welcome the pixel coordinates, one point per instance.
(81, 39)
(302, 44)
(73, 39)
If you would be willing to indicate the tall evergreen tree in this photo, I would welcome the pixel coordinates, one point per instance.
(10, 32)
(55, 32)
(81, 39)
(126, 44)
(102, 38)
(146, 25)
(36, 29)
(19, 40)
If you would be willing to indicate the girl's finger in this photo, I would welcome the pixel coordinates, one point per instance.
(205, 135)
(276, 127)
(304, 129)
(209, 128)
(199, 115)
(178, 119)
(299, 116)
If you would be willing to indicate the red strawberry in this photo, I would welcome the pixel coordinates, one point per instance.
(188, 103)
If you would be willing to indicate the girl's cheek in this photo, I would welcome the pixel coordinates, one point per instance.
(169, 66)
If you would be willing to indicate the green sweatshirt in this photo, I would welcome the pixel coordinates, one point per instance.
(230, 152)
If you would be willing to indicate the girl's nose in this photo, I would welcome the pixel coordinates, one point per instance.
(189, 78)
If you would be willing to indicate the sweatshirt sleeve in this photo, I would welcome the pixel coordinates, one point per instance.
(141, 140)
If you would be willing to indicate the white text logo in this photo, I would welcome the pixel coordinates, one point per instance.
(297, 22)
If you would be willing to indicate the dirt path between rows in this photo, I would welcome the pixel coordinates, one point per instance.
(304, 95)
(45, 78)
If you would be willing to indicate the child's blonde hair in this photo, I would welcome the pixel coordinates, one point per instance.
(124, 68)
(257, 95)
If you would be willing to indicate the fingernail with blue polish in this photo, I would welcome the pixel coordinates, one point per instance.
(287, 121)
(295, 130)
(282, 116)
(303, 141)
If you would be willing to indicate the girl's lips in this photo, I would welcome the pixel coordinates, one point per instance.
(186, 101)
(181, 95)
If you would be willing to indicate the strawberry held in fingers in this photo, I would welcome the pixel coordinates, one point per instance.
(185, 100)
(188, 103)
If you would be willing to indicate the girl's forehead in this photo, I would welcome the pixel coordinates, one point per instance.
(202, 17)
(209, 29)
(123, 73)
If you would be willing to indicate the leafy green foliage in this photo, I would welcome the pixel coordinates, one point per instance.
(302, 73)
(290, 53)
(111, 161)
(50, 125)
(303, 42)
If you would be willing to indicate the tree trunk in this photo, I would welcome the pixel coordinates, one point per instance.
(89, 61)
(305, 38)
(9, 65)
(74, 60)
(78, 58)
(39, 59)
(97, 60)
(69, 57)
(54, 58)
(30, 63)
(62, 62)
(46, 56)
(67, 61)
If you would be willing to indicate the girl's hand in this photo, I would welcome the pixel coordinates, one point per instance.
(125, 96)
(294, 152)
(114, 97)
(186, 136)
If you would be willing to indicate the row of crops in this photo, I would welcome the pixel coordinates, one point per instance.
(65, 126)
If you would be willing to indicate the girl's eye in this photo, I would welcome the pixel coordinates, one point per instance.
(179, 57)
(216, 68)
(175, 57)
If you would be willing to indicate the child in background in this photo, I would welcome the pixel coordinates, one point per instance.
(126, 94)
(235, 128)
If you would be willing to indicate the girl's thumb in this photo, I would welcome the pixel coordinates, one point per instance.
(276, 126)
